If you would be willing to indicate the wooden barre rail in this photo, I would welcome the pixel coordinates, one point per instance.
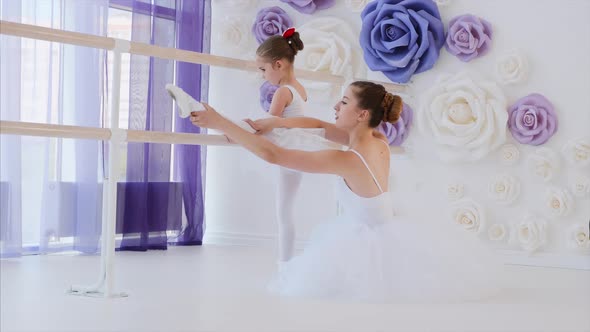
(103, 134)
(107, 43)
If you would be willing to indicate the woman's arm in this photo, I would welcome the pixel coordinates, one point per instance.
(328, 161)
(333, 133)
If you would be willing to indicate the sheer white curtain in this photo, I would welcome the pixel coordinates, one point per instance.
(51, 188)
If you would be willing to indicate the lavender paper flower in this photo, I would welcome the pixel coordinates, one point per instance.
(532, 120)
(309, 6)
(270, 21)
(397, 133)
(267, 91)
(401, 37)
(468, 37)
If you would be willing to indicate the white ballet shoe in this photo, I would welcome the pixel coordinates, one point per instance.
(186, 104)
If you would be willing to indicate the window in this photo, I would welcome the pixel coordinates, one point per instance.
(40, 59)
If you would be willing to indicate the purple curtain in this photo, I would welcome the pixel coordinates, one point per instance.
(192, 18)
(150, 204)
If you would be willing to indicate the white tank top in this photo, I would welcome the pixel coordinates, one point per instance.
(297, 106)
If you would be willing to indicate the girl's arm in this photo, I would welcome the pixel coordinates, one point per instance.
(280, 101)
(328, 161)
(333, 133)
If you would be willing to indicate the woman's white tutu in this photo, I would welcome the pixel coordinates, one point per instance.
(368, 254)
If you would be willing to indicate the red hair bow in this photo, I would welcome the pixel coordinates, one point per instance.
(288, 33)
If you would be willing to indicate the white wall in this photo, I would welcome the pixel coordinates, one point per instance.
(554, 35)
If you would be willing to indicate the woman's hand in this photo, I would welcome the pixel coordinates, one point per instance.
(263, 126)
(209, 118)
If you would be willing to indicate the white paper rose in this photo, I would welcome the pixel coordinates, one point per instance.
(577, 237)
(356, 6)
(558, 202)
(577, 151)
(466, 118)
(468, 214)
(454, 191)
(580, 185)
(330, 47)
(512, 67)
(509, 154)
(531, 233)
(233, 36)
(497, 232)
(504, 189)
(543, 163)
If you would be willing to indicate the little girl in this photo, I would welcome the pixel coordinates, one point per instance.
(275, 58)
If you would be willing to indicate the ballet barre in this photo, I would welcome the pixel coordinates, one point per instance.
(108, 43)
(105, 134)
(103, 287)
(125, 135)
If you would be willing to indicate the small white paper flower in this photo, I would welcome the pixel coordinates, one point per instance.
(356, 5)
(509, 154)
(543, 163)
(577, 151)
(468, 214)
(233, 35)
(512, 67)
(442, 3)
(531, 233)
(504, 189)
(497, 232)
(577, 237)
(581, 185)
(558, 202)
(454, 191)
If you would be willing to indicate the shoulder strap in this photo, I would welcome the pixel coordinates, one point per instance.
(384, 142)
(294, 92)
(368, 169)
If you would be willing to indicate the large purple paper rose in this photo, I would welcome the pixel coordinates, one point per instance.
(397, 133)
(309, 6)
(270, 21)
(468, 37)
(532, 119)
(267, 91)
(401, 37)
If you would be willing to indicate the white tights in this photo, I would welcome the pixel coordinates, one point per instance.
(288, 185)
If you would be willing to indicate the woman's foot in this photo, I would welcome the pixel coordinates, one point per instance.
(186, 104)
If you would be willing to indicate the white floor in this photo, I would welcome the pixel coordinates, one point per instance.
(221, 288)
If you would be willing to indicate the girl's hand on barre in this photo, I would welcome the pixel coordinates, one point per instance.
(252, 124)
